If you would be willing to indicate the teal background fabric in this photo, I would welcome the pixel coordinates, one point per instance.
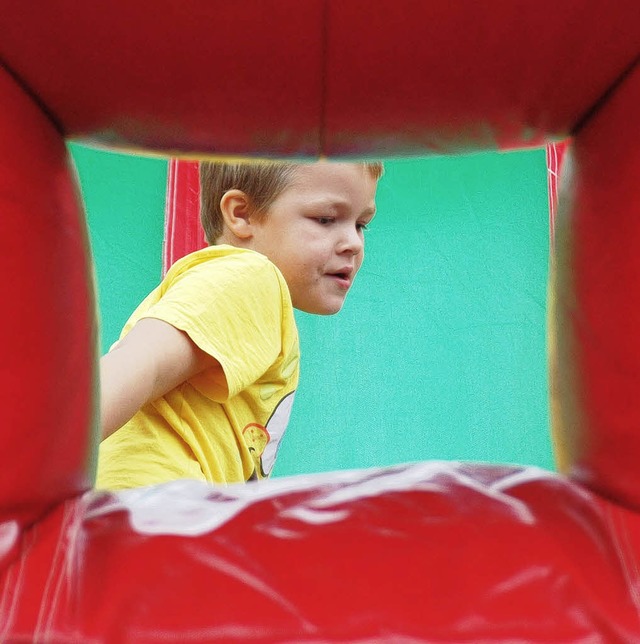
(124, 197)
(439, 352)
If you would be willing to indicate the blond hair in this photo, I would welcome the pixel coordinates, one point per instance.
(261, 181)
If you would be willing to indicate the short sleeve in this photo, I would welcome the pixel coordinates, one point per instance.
(231, 308)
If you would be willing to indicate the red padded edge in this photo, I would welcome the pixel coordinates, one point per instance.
(432, 553)
(207, 75)
(286, 77)
(411, 77)
(48, 328)
(598, 300)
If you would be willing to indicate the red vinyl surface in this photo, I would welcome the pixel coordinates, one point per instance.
(336, 77)
(434, 552)
(598, 299)
(204, 75)
(430, 552)
(48, 325)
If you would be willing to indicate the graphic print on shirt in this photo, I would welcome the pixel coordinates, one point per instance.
(263, 442)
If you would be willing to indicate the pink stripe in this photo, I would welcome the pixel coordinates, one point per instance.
(183, 233)
(555, 154)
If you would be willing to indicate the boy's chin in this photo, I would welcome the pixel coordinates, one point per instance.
(320, 308)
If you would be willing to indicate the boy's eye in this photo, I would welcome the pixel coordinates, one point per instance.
(324, 220)
(362, 227)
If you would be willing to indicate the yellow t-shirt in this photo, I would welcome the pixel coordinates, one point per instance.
(235, 305)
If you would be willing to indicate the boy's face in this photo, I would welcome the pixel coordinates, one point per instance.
(314, 232)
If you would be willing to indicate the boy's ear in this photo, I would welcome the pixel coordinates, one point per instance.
(236, 209)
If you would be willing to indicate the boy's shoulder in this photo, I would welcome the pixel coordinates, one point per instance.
(220, 256)
(226, 265)
(222, 274)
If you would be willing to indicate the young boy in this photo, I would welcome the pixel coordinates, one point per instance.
(201, 383)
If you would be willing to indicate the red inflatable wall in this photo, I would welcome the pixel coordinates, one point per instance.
(444, 552)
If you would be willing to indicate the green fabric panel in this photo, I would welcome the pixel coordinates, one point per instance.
(124, 197)
(439, 352)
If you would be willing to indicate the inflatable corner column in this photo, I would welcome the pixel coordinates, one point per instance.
(49, 329)
(597, 307)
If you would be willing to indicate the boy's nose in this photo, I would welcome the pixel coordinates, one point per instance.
(352, 242)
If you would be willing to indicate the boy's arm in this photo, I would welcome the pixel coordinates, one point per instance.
(153, 358)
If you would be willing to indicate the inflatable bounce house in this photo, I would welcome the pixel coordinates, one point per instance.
(432, 551)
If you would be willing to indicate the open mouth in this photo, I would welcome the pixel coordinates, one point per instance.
(343, 279)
